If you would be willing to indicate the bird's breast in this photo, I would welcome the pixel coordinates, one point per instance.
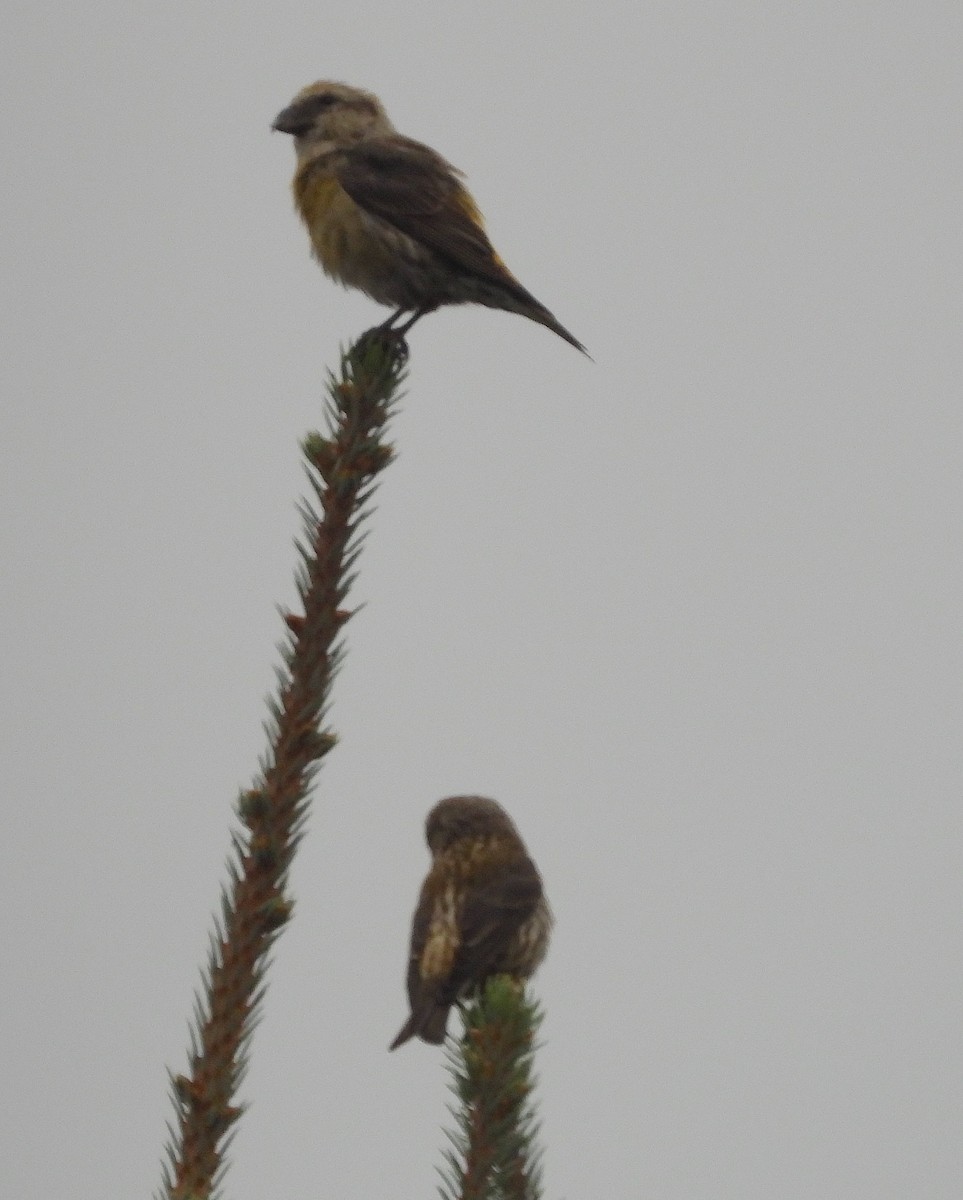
(352, 246)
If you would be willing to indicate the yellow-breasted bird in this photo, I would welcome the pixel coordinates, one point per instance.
(390, 216)
(481, 912)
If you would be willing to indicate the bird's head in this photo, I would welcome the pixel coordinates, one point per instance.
(472, 817)
(332, 114)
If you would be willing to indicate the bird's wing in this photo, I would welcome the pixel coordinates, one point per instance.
(494, 911)
(411, 187)
(434, 942)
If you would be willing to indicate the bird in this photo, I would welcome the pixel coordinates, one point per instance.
(481, 912)
(391, 216)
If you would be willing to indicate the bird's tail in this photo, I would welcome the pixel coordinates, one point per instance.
(429, 1022)
(544, 317)
(500, 289)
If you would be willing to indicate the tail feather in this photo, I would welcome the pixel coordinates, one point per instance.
(520, 299)
(430, 1023)
(544, 317)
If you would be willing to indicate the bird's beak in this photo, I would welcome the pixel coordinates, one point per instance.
(290, 120)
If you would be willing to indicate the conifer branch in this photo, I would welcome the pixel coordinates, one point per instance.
(342, 468)
(494, 1153)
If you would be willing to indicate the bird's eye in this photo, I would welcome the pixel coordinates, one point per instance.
(320, 103)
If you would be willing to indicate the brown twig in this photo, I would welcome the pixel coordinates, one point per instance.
(342, 468)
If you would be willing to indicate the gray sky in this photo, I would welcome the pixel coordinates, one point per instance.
(692, 613)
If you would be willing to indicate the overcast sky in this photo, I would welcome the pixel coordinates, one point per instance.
(692, 613)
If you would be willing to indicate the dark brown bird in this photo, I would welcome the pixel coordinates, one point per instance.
(481, 912)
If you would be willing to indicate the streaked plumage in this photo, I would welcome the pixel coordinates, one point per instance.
(481, 912)
(390, 216)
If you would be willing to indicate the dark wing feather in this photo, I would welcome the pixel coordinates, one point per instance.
(429, 1013)
(420, 925)
(414, 189)
(494, 912)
